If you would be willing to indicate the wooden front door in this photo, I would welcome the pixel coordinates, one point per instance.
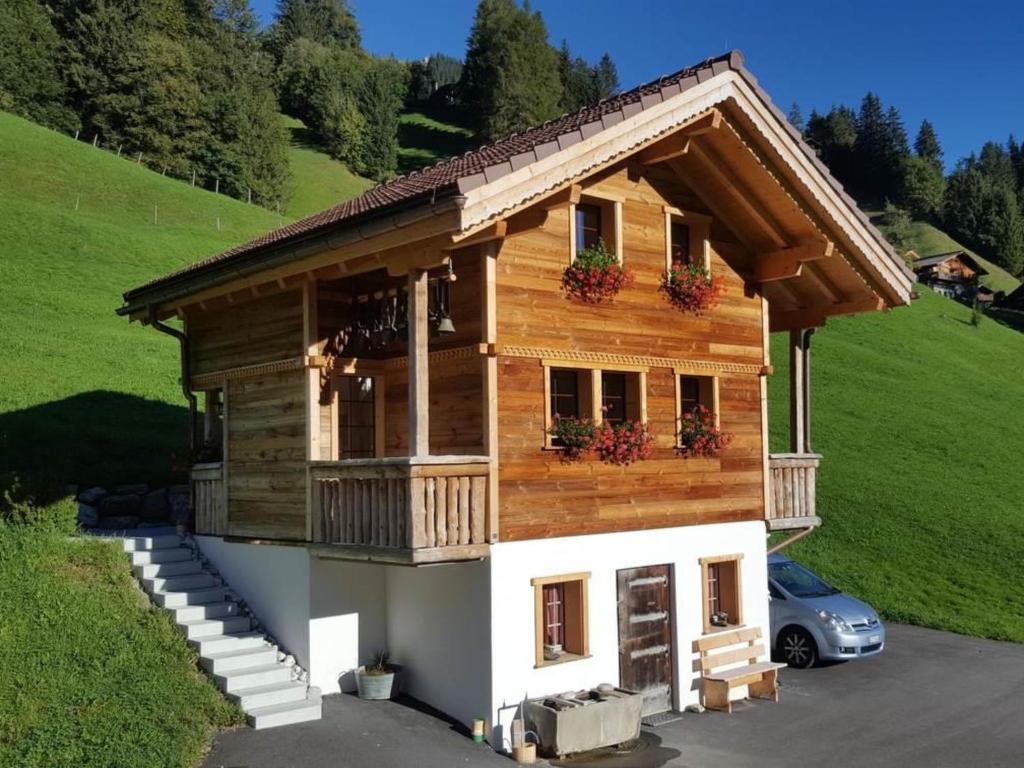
(645, 634)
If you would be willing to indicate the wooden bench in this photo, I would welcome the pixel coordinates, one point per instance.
(760, 677)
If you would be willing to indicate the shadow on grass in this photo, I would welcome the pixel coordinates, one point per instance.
(305, 138)
(93, 438)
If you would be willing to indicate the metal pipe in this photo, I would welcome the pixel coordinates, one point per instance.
(186, 375)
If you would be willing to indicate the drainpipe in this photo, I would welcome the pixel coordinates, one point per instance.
(186, 375)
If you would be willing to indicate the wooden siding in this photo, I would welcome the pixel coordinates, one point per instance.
(250, 332)
(541, 496)
(267, 456)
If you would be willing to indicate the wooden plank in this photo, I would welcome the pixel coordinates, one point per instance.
(723, 639)
(416, 534)
(452, 509)
(464, 529)
(441, 511)
(477, 509)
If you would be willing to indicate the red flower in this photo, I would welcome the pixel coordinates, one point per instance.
(698, 435)
(623, 443)
(595, 275)
(690, 288)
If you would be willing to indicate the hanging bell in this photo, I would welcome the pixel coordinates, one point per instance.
(445, 326)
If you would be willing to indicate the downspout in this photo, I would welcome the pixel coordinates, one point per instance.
(186, 376)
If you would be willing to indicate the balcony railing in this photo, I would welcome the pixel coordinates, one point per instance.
(208, 499)
(791, 503)
(415, 509)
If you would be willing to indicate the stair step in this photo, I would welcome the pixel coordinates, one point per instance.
(171, 555)
(190, 597)
(207, 627)
(285, 714)
(211, 644)
(156, 541)
(250, 677)
(179, 583)
(206, 611)
(163, 570)
(268, 695)
(218, 663)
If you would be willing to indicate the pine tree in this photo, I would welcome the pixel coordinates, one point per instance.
(607, 76)
(322, 21)
(511, 76)
(381, 96)
(926, 145)
(796, 117)
(923, 187)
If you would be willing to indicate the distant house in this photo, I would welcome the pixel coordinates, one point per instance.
(954, 274)
(1014, 301)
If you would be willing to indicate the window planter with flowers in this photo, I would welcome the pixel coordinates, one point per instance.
(624, 443)
(595, 275)
(699, 436)
(573, 435)
(689, 287)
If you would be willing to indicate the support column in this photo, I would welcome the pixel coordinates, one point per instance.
(797, 412)
(419, 375)
(489, 322)
(807, 388)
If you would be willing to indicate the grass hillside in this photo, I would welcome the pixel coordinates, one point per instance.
(428, 136)
(318, 181)
(917, 414)
(86, 396)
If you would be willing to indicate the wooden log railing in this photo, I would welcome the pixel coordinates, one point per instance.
(429, 503)
(792, 500)
(208, 499)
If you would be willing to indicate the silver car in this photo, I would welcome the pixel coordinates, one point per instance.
(811, 620)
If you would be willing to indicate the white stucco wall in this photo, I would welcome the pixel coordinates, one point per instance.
(513, 564)
(439, 628)
(274, 581)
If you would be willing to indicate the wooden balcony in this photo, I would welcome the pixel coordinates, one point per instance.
(791, 503)
(208, 499)
(425, 509)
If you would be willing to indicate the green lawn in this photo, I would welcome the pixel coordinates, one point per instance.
(918, 416)
(426, 138)
(318, 181)
(90, 674)
(86, 397)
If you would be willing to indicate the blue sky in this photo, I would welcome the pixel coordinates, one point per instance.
(958, 64)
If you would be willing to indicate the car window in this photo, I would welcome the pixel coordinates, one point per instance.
(799, 581)
(774, 592)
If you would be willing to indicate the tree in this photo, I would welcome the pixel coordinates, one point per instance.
(321, 21)
(926, 145)
(834, 136)
(29, 81)
(896, 223)
(796, 117)
(607, 76)
(923, 187)
(381, 96)
(510, 80)
(433, 73)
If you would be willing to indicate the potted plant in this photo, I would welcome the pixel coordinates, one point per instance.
(624, 443)
(595, 275)
(698, 435)
(690, 288)
(574, 435)
(376, 681)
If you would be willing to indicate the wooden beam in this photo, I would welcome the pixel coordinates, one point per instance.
(815, 317)
(495, 231)
(419, 376)
(786, 263)
(679, 142)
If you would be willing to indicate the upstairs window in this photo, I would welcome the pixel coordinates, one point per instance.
(588, 227)
(679, 242)
(357, 422)
(565, 393)
(694, 391)
(686, 237)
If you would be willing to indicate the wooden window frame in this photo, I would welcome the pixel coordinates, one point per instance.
(611, 220)
(715, 380)
(705, 562)
(575, 609)
(379, 414)
(700, 233)
(595, 397)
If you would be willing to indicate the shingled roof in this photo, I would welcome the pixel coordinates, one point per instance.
(458, 175)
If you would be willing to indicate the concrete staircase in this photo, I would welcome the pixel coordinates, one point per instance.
(241, 661)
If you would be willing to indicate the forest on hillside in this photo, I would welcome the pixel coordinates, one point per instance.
(197, 86)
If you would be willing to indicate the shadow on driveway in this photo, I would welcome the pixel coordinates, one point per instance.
(931, 699)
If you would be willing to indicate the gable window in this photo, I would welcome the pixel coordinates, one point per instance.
(588, 226)
(723, 605)
(561, 618)
(686, 237)
(679, 242)
(693, 391)
(357, 417)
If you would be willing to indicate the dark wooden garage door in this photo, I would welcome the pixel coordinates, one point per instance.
(645, 634)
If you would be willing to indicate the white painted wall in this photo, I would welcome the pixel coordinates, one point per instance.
(513, 564)
(347, 620)
(274, 581)
(439, 628)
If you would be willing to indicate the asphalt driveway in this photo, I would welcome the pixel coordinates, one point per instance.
(931, 699)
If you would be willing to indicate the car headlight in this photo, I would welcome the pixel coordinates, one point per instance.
(833, 621)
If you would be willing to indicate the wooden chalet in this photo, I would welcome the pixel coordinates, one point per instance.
(377, 384)
(953, 275)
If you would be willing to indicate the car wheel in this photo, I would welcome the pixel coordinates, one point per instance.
(798, 648)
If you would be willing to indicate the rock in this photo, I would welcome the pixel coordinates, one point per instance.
(88, 516)
(154, 505)
(117, 522)
(288, 661)
(178, 504)
(139, 489)
(120, 505)
(92, 497)
(695, 708)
